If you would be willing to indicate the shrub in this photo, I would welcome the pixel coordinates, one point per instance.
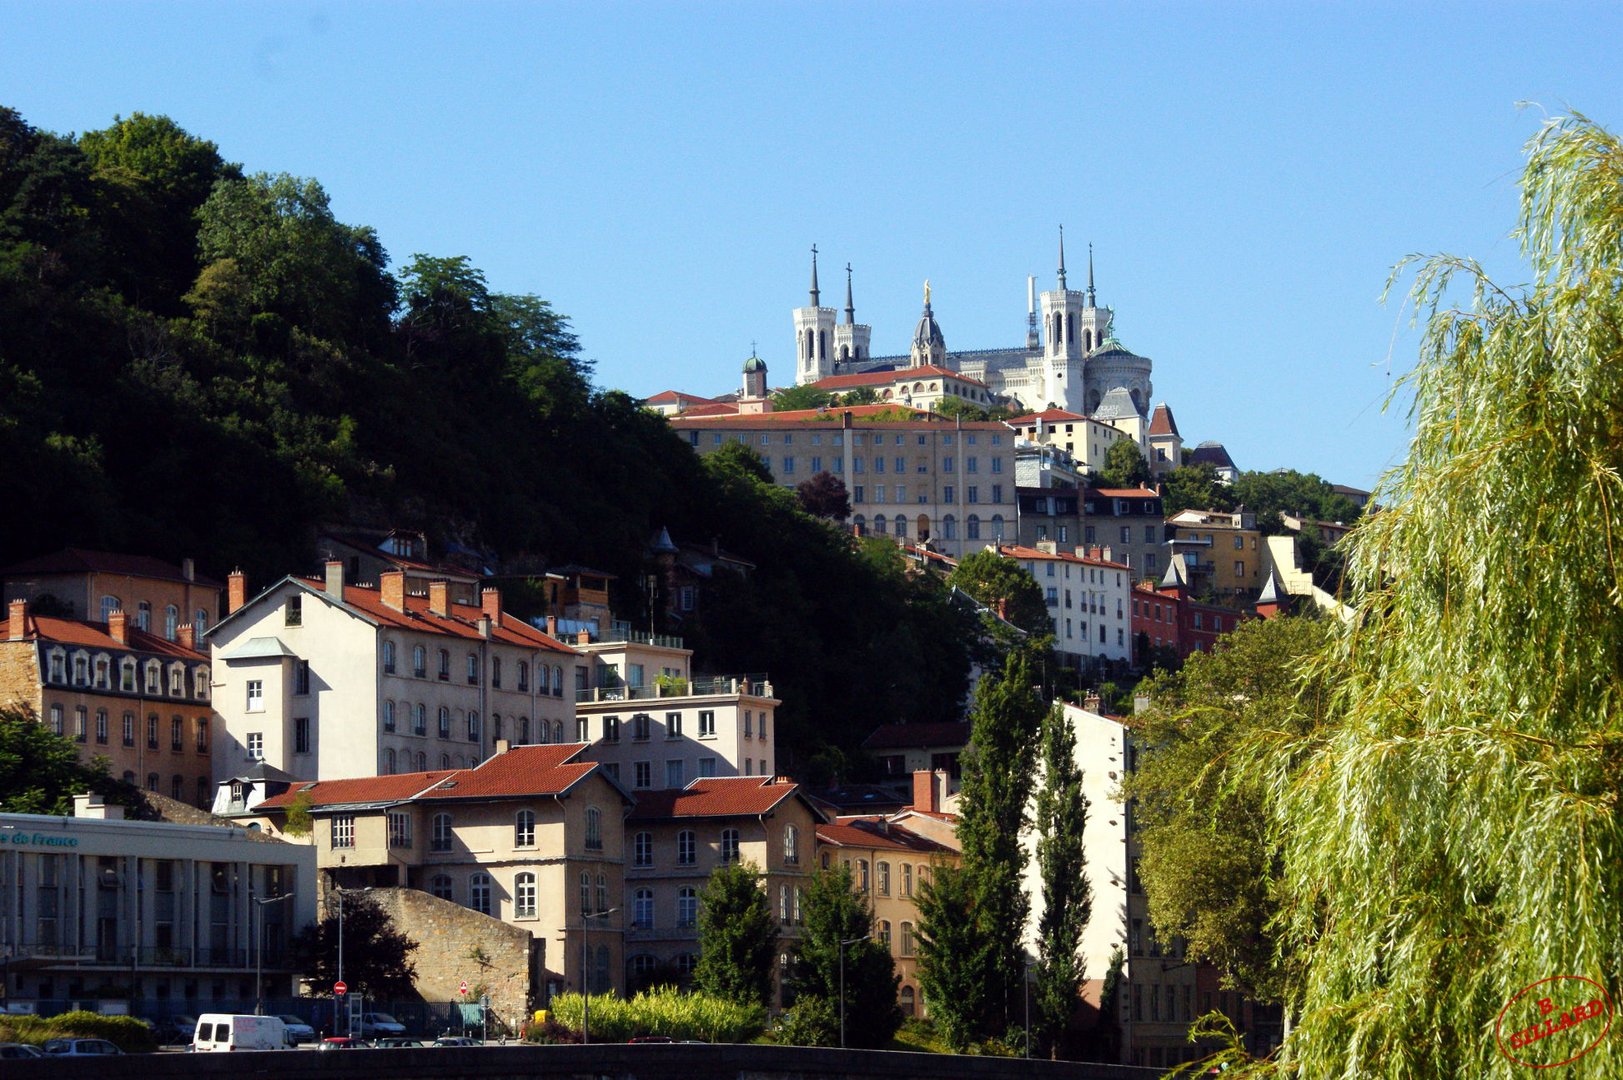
(812, 1022)
(663, 1010)
(126, 1032)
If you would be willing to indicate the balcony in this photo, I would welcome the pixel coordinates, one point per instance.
(755, 685)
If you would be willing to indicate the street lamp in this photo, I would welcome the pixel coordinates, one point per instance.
(259, 954)
(841, 951)
(585, 989)
(339, 889)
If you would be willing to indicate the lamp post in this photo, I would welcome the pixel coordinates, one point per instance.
(259, 954)
(841, 952)
(339, 889)
(585, 989)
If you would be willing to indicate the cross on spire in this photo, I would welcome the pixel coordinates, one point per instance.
(814, 291)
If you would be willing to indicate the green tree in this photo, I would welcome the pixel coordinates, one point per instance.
(834, 913)
(1209, 866)
(800, 397)
(953, 956)
(738, 938)
(40, 771)
(1060, 816)
(956, 408)
(1194, 487)
(1006, 587)
(1286, 491)
(1451, 833)
(377, 955)
(734, 459)
(1124, 466)
(862, 395)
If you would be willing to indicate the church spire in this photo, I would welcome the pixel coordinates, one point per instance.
(850, 309)
(814, 290)
(1062, 258)
(1090, 275)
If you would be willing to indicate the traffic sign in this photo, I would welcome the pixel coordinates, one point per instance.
(464, 987)
(340, 988)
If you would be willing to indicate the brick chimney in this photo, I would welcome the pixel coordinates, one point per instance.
(335, 579)
(19, 619)
(188, 636)
(236, 591)
(552, 626)
(491, 601)
(118, 627)
(392, 589)
(439, 598)
(1092, 702)
(926, 791)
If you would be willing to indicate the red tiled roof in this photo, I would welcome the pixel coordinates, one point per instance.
(712, 408)
(1047, 415)
(364, 789)
(1125, 493)
(879, 378)
(872, 832)
(715, 796)
(81, 561)
(1015, 551)
(830, 418)
(546, 769)
(460, 620)
(1161, 421)
(675, 397)
(917, 736)
(94, 635)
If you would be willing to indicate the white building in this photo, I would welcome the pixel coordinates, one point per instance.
(1088, 597)
(93, 907)
(324, 680)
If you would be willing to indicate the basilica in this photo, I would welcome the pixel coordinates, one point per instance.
(1071, 360)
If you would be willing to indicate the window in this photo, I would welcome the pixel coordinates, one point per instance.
(687, 907)
(388, 716)
(495, 670)
(200, 683)
(997, 493)
(642, 909)
(440, 886)
(101, 725)
(171, 622)
(256, 695)
(440, 838)
(783, 904)
(594, 829)
(177, 680)
(445, 722)
(907, 879)
(301, 676)
(343, 829)
(557, 681)
(473, 725)
(388, 658)
(972, 464)
(59, 666)
(639, 727)
(686, 848)
(884, 933)
(445, 665)
(524, 829)
(479, 893)
(1239, 568)
(644, 773)
(585, 892)
(642, 849)
(152, 731)
(256, 745)
(420, 726)
(524, 676)
(729, 845)
(707, 724)
(581, 734)
(524, 896)
(81, 669)
(800, 897)
(301, 734)
(707, 766)
(907, 939)
(862, 874)
(152, 781)
(390, 761)
(884, 879)
(749, 724)
(674, 773)
(126, 675)
(202, 734)
(791, 846)
(611, 729)
(673, 725)
(602, 892)
(419, 661)
(129, 730)
(399, 829)
(972, 527)
(761, 727)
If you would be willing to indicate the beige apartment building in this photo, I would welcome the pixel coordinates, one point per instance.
(675, 838)
(910, 475)
(157, 597)
(533, 838)
(323, 679)
(1222, 552)
(138, 700)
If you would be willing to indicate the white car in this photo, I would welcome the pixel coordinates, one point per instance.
(378, 1025)
(298, 1032)
(80, 1048)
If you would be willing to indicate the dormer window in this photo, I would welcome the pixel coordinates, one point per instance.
(154, 677)
(177, 680)
(59, 666)
(103, 669)
(126, 675)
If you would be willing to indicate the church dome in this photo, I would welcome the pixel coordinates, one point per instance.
(754, 364)
(927, 334)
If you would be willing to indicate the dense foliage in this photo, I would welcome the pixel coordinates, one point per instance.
(1060, 815)
(377, 955)
(41, 772)
(198, 362)
(1124, 466)
(662, 1010)
(835, 913)
(128, 1033)
(738, 938)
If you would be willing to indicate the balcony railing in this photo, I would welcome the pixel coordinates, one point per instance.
(754, 685)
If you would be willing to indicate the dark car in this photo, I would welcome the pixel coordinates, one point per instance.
(342, 1042)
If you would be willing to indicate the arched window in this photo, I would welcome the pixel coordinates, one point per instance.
(884, 879)
(859, 524)
(907, 939)
(445, 761)
(585, 892)
(687, 907)
(523, 675)
(880, 525)
(445, 722)
(862, 874)
(791, 845)
(389, 761)
(388, 658)
(997, 526)
(594, 829)
(420, 727)
(473, 725)
(473, 669)
(524, 896)
(642, 909)
(388, 715)
(496, 726)
(143, 616)
(479, 893)
(557, 681)
(110, 604)
(602, 892)
(924, 527)
(171, 622)
(524, 829)
(445, 665)
(440, 885)
(908, 1001)
(543, 730)
(884, 933)
(949, 528)
(200, 625)
(419, 661)
(907, 879)
(972, 527)
(152, 781)
(495, 669)
(422, 761)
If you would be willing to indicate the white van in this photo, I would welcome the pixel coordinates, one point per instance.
(227, 1031)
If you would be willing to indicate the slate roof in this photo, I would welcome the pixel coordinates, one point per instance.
(82, 560)
(1117, 405)
(1211, 453)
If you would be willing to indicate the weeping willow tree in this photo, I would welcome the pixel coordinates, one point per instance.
(1455, 833)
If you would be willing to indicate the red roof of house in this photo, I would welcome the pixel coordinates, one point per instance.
(1161, 421)
(460, 620)
(879, 378)
(1015, 551)
(875, 832)
(715, 796)
(81, 561)
(830, 418)
(711, 408)
(917, 736)
(94, 635)
(397, 787)
(1125, 493)
(676, 397)
(1047, 416)
(545, 769)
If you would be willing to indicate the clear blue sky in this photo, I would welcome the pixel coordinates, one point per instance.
(1247, 172)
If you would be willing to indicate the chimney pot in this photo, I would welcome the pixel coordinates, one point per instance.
(236, 591)
(335, 579)
(392, 589)
(118, 627)
(19, 620)
(491, 601)
(188, 636)
(439, 597)
(926, 795)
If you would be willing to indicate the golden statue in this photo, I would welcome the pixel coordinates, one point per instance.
(926, 292)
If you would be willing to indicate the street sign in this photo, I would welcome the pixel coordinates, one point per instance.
(340, 988)
(464, 988)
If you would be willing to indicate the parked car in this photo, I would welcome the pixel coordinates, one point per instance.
(181, 1029)
(239, 1031)
(341, 1042)
(396, 1042)
(379, 1025)
(456, 1040)
(80, 1048)
(298, 1032)
(13, 1051)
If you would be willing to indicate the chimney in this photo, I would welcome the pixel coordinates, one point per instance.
(1092, 703)
(439, 597)
(19, 619)
(118, 627)
(188, 569)
(926, 793)
(236, 591)
(392, 589)
(584, 637)
(188, 636)
(484, 627)
(335, 579)
(552, 626)
(95, 808)
(502, 746)
(491, 601)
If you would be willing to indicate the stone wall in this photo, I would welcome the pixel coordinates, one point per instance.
(457, 944)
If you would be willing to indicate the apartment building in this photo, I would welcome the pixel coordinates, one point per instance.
(1131, 521)
(676, 837)
(156, 597)
(1167, 616)
(1085, 439)
(326, 680)
(910, 475)
(137, 699)
(1086, 591)
(1222, 552)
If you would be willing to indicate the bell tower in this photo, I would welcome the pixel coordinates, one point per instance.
(850, 337)
(1063, 351)
(814, 333)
